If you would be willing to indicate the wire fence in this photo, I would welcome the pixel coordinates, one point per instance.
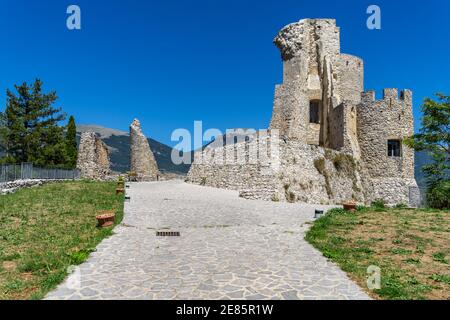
(24, 171)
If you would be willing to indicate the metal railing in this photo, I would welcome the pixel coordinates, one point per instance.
(23, 171)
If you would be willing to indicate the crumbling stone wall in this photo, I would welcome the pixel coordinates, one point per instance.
(142, 160)
(93, 157)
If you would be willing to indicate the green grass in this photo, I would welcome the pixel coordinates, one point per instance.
(410, 246)
(45, 230)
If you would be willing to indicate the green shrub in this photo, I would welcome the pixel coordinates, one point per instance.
(401, 206)
(378, 204)
(336, 211)
(438, 195)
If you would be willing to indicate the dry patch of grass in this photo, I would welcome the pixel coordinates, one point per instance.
(411, 247)
(45, 230)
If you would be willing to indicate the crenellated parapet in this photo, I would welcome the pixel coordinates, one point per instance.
(369, 97)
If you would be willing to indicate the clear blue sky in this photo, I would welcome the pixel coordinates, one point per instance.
(169, 63)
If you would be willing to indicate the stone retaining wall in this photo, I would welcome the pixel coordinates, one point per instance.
(13, 186)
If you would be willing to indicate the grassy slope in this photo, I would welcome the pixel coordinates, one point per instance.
(46, 229)
(411, 247)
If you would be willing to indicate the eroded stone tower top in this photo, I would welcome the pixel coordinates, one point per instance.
(300, 38)
(142, 160)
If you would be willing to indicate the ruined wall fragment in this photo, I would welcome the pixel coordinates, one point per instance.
(142, 160)
(93, 157)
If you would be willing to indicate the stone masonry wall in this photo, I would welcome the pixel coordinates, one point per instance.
(142, 160)
(93, 157)
(379, 121)
(13, 186)
(297, 172)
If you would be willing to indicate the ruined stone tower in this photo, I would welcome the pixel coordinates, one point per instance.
(142, 160)
(321, 87)
(93, 157)
(337, 141)
(382, 126)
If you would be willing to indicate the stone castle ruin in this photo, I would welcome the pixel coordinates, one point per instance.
(94, 163)
(336, 142)
(142, 160)
(93, 157)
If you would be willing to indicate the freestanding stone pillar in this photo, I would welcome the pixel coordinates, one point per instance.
(93, 157)
(142, 160)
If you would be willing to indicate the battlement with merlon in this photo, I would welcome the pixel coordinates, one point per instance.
(389, 94)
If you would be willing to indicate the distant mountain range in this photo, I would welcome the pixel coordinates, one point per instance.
(118, 143)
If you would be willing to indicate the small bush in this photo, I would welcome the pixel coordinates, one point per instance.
(401, 206)
(438, 195)
(336, 211)
(276, 198)
(379, 204)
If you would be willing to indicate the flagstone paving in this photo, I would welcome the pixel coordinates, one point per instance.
(229, 248)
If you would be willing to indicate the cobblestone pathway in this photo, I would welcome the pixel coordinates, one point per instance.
(229, 248)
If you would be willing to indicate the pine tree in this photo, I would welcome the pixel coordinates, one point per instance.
(3, 138)
(71, 144)
(33, 134)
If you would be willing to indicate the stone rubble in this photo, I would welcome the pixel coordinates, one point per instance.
(13, 186)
